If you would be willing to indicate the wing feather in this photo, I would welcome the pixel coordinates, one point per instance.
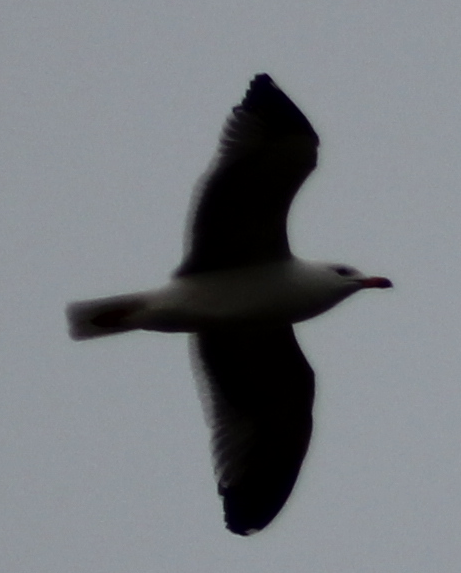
(259, 392)
(267, 148)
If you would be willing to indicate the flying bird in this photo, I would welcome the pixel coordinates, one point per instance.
(238, 292)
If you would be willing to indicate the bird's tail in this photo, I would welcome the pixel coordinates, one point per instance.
(104, 316)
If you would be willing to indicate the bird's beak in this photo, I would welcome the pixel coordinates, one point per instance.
(376, 282)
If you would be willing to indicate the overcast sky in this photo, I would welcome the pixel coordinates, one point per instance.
(110, 111)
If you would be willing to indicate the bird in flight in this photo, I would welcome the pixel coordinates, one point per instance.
(238, 292)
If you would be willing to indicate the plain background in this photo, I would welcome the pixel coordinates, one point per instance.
(110, 111)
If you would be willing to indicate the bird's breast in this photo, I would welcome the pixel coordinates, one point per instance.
(276, 293)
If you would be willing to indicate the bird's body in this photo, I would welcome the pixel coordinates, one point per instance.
(238, 291)
(258, 296)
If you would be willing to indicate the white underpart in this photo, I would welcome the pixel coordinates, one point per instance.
(276, 293)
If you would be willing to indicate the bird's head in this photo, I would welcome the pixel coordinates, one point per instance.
(356, 280)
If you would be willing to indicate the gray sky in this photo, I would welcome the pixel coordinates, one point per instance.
(110, 112)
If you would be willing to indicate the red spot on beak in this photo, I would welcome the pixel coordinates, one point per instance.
(376, 282)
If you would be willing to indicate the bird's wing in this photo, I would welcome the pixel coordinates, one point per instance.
(258, 392)
(238, 216)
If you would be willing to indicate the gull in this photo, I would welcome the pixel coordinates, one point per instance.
(238, 292)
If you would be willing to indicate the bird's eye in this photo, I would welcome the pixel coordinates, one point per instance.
(344, 271)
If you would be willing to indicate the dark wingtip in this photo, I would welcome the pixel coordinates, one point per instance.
(251, 506)
(239, 515)
(265, 98)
